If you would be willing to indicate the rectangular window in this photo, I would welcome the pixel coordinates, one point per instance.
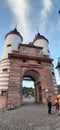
(4, 70)
(39, 62)
(8, 45)
(24, 60)
(24, 49)
(38, 52)
(3, 93)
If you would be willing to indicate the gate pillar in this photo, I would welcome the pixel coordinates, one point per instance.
(38, 93)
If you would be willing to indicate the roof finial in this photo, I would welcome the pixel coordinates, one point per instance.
(15, 28)
(15, 25)
(37, 29)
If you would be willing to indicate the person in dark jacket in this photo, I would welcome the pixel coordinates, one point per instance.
(49, 104)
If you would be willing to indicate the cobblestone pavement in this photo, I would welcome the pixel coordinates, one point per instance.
(29, 117)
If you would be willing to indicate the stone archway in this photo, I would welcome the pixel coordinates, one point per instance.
(39, 73)
(35, 76)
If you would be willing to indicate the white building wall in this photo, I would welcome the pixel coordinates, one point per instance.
(11, 43)
(43, 43)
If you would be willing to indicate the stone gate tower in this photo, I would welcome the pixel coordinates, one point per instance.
(20, 60)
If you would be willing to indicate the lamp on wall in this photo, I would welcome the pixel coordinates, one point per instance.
(46, 90)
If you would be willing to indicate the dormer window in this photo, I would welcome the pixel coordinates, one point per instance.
(24, 49)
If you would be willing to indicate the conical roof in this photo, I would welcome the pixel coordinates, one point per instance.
(38, 36)
(14, 32)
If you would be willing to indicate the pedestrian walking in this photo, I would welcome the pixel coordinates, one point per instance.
(49, 104)
(57, 106)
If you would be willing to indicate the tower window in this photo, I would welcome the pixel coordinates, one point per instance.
(39, 62)
(8, 45)
(24, 60)
(48, 50)
(4, 70)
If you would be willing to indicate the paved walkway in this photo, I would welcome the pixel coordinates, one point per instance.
(29, 117)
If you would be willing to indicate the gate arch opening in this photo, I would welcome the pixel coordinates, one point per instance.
(34, 77)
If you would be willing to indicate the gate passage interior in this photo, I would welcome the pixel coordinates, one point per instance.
(32, 75)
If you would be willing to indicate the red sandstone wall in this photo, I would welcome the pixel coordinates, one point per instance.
(18, 69)
(14, 93)
(2, 102)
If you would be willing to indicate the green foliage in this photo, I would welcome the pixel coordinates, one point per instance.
(28, 91)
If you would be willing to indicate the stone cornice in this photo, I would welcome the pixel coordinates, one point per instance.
(41, 58)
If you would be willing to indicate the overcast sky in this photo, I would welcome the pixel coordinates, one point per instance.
(29, 15)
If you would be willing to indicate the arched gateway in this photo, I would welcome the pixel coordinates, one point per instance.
(20, 60)
(35, 76)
